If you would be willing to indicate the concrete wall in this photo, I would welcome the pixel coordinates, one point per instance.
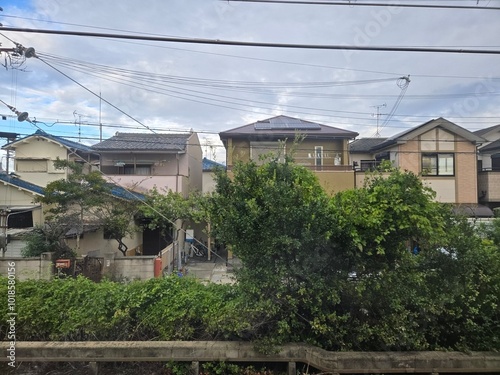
(120, 268)
(38, 268)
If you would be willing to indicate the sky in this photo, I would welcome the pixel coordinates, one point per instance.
(88, 88)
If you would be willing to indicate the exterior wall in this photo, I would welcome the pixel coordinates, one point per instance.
(194, 159)
(208, 182)
(335, 175)
(333, 153)
(34, 161)
(334, 182)
(39, 268)
(237, 150)
(143, 184)
(11, 197)
(466, 172)
(445, 188)
(489, 183)
(129, 268)
(409, 156)
(95, 244)
(460, 188)
(162, 164)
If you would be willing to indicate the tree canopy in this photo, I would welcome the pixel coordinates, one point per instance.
(85, 198)
(340, 271)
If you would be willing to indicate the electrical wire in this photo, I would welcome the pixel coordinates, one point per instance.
(361, 4)
(256, 44)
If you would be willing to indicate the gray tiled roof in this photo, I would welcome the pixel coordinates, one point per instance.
(144, 142)
(481, 132)
(364, 145)
(441, 122)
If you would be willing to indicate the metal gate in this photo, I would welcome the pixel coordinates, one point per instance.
(90, 267)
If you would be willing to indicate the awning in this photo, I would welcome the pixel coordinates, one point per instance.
(473, 210)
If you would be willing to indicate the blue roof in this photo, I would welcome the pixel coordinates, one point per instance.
(17, 182)
(121, 192)
(116, 191)
(210, 165)
(66, 143)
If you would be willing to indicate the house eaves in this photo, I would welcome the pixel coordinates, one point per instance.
(8, 179)
(70, 145)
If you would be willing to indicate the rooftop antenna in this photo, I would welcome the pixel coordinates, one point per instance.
(79, 124)
(378, 114)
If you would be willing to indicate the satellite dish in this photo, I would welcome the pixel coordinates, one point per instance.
(23, 116)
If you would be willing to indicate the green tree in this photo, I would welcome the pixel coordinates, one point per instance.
(86, 198)
(166, 209)
(276, 219)
(47, 238)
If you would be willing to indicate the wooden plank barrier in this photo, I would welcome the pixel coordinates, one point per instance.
(228, 351)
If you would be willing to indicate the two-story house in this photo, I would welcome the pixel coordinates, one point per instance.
(142, 161)
(441, 152)
(35, 155)
(322, 148)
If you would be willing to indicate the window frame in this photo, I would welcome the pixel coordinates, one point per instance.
(318, 156)
(439, 158)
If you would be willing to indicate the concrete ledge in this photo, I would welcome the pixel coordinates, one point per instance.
(202, 351)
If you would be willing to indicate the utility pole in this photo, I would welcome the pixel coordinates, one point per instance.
(378, 114)
(4, 214)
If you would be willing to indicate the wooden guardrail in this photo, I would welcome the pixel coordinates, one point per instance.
(207, 351)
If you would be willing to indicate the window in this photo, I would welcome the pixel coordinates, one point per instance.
(260, 152)
(318, 156)
(438, 164)
(141, 170)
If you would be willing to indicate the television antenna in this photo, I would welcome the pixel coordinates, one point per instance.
(378, 114)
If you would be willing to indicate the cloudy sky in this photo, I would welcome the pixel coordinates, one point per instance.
(171, 86)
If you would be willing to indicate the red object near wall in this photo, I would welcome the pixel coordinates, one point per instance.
(158, 267)
(63, 263)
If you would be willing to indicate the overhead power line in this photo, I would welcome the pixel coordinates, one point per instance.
(355, 3)
(256, 44)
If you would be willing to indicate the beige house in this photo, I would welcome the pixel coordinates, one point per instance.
(34, 157)
(18, 212)
(322, 149)
(141, 161)
(443, 153)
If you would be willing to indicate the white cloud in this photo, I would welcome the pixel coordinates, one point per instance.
(166, 104)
